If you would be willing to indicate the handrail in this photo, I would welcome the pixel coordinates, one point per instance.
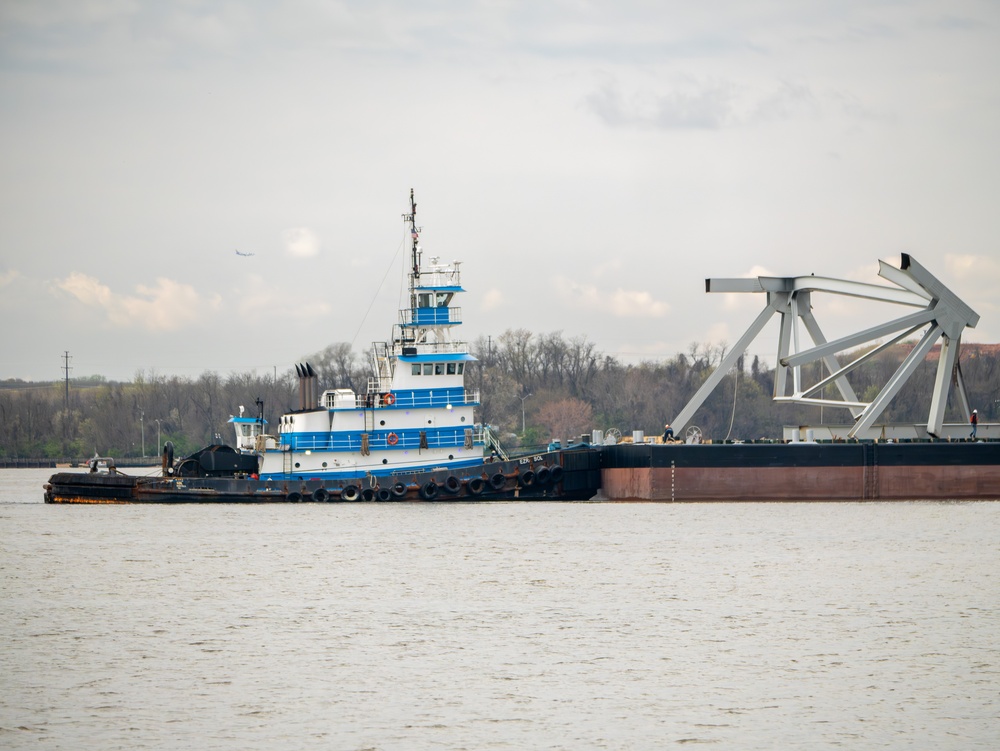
(492, 440)
(449, 438)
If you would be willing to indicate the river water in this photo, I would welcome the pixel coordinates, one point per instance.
(497, 626)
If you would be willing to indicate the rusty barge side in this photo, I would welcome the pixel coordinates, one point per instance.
(866, 471)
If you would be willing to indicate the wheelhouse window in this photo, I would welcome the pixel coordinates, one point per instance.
(437, 368)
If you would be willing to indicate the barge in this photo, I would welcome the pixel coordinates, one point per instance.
(848, 471)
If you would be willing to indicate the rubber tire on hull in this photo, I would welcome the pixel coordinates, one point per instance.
(294, 497)
(475, 486)
(542, 475)
(367, 495)
(498, 481)
(429, 491)
(383, 494)
(321, 495)
(556, 473)
(350, 493)
(452, 485)
(526, 479)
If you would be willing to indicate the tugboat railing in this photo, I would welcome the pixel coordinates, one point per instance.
(430, 316)
(357, 441)
(436, 398)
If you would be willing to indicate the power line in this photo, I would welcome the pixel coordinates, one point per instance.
(66, 367)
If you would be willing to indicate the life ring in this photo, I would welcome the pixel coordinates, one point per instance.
(556, 473)
(350, 493)
(367, 494)
(452, 485)
(389, 399)
(321, 496)
(429, 491)
(542, 475)
(398, 490)
(498, 481)
(527, 479)
(392, 439)
(475, 486)
(383, 494)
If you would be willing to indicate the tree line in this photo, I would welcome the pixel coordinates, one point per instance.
(533, 388)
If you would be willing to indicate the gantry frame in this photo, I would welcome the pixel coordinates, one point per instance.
(939, 312)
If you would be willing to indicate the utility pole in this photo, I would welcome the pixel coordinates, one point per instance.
(66, 368)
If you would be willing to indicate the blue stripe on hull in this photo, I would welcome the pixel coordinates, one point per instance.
(358, 474)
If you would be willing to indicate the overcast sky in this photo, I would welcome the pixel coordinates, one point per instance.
(591, 163)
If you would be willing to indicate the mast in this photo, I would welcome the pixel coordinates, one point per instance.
(414, 250)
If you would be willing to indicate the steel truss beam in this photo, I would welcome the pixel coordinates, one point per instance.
(942, 312)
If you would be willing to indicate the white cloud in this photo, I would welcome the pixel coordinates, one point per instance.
(492, 300)
(260, 296)
(167, 306)
(300, 242)
(621, 303)
(8, 277)
(687, 103)
(966, 267)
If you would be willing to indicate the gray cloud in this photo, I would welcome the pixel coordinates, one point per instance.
(141, 142)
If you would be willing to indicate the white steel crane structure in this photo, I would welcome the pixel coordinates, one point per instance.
(939, 312)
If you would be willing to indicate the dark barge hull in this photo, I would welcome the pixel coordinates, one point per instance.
(802, 472)
(568, 475)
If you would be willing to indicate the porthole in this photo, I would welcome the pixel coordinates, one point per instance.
(385, 461)
(451, 456)
(382, 423)
(324, 464)
(463, 418)
(297, 465)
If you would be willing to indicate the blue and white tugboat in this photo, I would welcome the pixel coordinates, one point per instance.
(411, 435)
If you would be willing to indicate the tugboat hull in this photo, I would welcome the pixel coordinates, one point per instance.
(568, 475)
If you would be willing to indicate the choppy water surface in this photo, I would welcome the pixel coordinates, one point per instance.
(498, 626)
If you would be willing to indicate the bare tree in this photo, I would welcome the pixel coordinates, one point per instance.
(567, 418)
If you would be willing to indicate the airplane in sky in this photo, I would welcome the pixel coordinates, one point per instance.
(245, 255)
